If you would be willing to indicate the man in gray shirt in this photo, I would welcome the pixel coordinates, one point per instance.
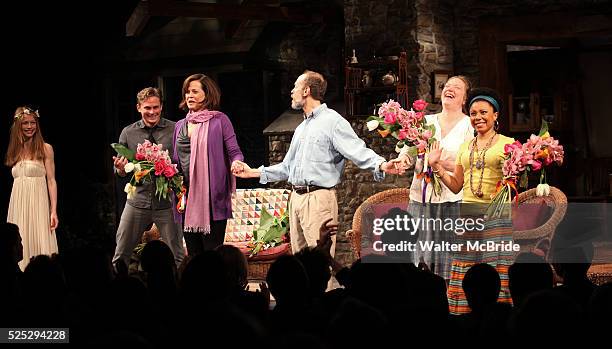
(315, 161)
(144, 208)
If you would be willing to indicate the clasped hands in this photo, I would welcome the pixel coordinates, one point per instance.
(403, 162)
(242, 170)
(397, 166)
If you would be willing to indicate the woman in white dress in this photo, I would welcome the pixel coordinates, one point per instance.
(452, 129)
(33, 204)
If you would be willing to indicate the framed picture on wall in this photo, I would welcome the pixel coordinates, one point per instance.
(523, 112)
(438, 79)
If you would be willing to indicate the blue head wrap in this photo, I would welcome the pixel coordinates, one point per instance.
(486, 98)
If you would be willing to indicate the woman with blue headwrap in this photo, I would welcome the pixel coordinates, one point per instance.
(478, 169)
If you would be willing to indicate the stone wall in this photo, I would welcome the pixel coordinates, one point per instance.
(278, 145)
(382, 28)
(434, 28)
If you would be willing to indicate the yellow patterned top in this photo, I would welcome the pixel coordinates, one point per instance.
(494, 160)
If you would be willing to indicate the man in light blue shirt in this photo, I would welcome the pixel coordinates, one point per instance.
(315, 161)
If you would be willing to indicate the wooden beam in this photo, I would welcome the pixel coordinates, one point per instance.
(234, 28)
(556, 25)
(138, 20)
(230, 11)
(493, 65)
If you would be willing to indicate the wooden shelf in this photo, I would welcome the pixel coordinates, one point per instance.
(375, 63)
(359, 100)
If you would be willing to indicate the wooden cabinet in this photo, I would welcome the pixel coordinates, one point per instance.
(371, 83)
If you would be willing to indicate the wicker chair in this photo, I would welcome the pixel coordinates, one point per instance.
(557, 201)
(389, 196)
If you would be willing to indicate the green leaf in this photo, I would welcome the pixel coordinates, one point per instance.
(257, 248)
(159, 187)
(524, 180)
(124, 151)
(270, 231)
(412, 151)
(431, 128)
(395, 127)
(543, 128)
(275, 232)
(437, 188)
(266, 220)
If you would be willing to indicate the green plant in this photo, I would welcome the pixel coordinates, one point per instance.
(272, 231)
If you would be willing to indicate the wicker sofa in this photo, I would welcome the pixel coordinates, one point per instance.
(556, 203)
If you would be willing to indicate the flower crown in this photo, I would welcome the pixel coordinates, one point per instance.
(27, 111)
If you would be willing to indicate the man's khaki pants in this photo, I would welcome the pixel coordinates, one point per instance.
(306, 214)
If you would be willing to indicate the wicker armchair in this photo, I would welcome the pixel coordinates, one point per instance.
(557, 201)
(389, 196)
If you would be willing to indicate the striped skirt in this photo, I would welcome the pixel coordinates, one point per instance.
(495, 232)
(439, 262)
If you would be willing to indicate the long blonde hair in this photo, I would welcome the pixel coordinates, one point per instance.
(17, 149)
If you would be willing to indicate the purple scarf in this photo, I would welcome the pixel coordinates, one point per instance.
(197, 210)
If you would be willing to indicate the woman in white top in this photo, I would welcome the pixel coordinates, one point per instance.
(452, 128)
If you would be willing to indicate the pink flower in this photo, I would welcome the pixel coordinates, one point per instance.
(412, 134)
(389, 107)
(403, 118)
(160, 166)
(509, 148)
(421, 145)
(412, 116)
(535, 140)
(419, 105)
(170, 171)
(548, 161)
(140, 156)
(419, 115)
(427, 134)
(402, 134)
(389, 118)
(535, 165)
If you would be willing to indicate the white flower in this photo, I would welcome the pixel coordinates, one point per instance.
(129, 167)
(542, 190)
(372, 125)
(130, 190)
(137, 167)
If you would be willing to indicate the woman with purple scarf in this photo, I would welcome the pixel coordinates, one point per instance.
(206, 150)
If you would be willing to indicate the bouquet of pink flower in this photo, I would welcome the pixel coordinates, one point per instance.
(408, 127)
(522, 158)
(151, 163)
(411, 130)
